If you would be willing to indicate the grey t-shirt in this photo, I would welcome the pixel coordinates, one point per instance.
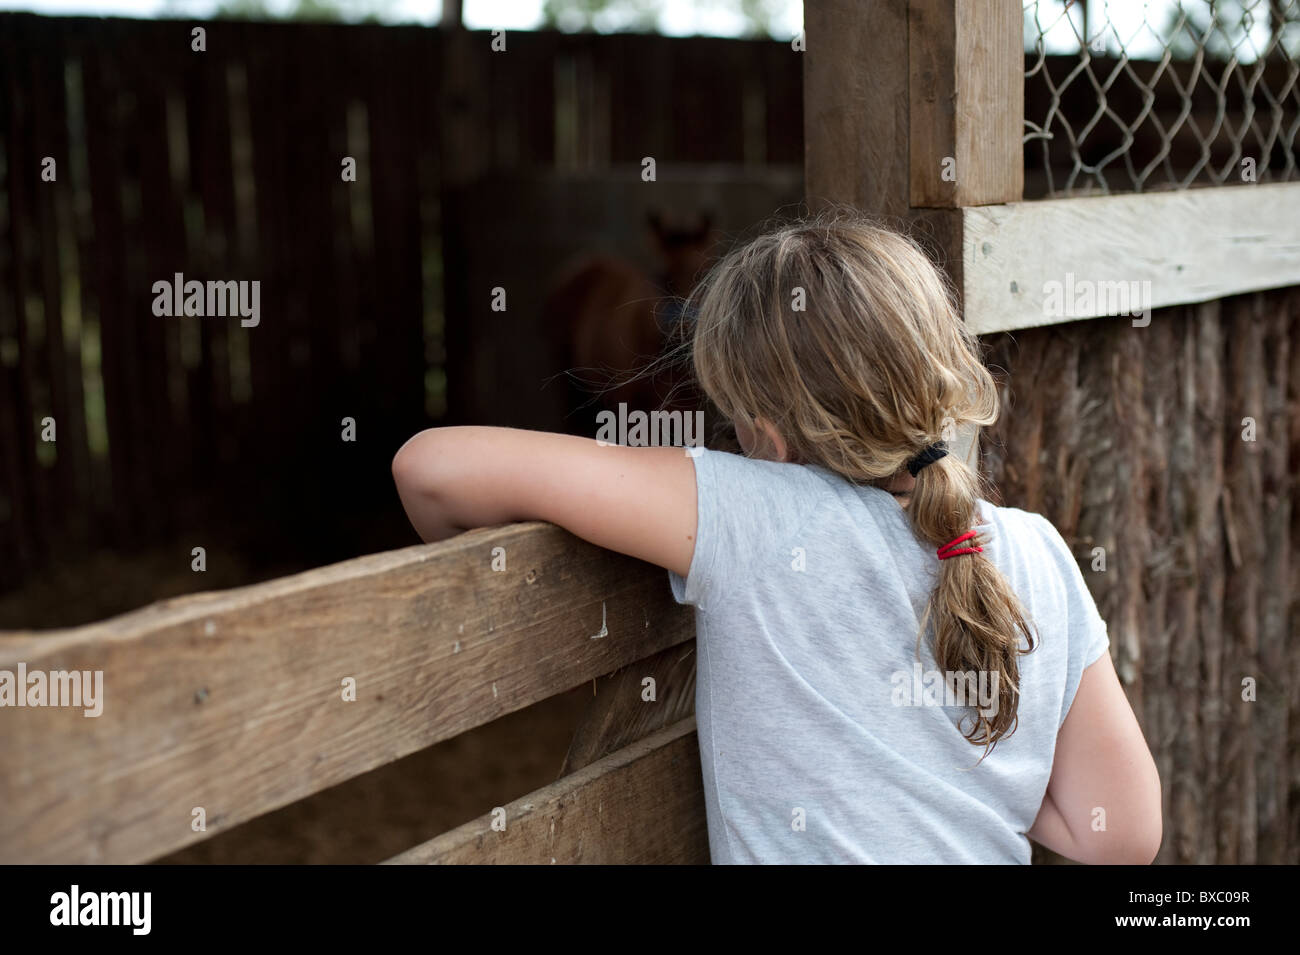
(808, 593)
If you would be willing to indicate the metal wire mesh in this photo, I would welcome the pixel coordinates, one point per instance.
(1142, 95)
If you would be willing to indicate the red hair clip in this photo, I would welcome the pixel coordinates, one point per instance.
(947, 551)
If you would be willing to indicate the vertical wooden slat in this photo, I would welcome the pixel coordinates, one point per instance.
(539, 147)
(268, 65)
(533, 90)
(1274, 634)
(142, 145)
(1291, 673)
(640, 124)
(397, 238)
(25, 197)
(103, 143)
(18, 532)
(213, 258)
(855, 94)
(782, 76)
(707, 112)
(46, 86)
(1245, 359)
(1185, 677)
(462, 159)
(305, 413)
(79, 39)
(158, 77)
(1205, 406)
(965, 102)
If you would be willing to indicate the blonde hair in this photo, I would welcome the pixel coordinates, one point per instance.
(876, 367)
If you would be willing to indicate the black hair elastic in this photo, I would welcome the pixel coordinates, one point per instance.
(931, 454)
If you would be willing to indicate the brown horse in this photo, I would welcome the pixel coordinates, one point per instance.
(621, 331)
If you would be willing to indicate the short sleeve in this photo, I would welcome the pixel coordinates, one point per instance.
(736, 500)
(692, 588)
(1087, 634)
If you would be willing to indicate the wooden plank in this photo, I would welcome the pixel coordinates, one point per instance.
(643, 804)
(50, 136)
(1179, 247)
(1275, 767)
(855, 100)
(157, 78)
(145, 224)
(856, 132)
(621, 712)
(1244, 514)
(20, 532)
(706, 95)
(104, 145)
(268, 64)
(397, 352)
(88, 370)
(465, 108)
(24, 155)
(1189, 665)
(640, 122)
(58, 229)
(966, 102)
(1204, 470)
(534, 91)
(232, 701)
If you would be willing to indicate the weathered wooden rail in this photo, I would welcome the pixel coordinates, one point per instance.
(233, 703)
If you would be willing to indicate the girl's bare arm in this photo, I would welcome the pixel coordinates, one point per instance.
(1103, 799)
(636, 501)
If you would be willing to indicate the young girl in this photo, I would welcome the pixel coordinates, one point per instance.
(890, 669)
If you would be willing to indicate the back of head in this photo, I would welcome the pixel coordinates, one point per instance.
(845, 338)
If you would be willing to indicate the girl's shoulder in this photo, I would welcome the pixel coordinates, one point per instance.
(779, 484)
(1026, 524)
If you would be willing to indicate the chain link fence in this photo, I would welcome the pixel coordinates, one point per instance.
(1144, 95)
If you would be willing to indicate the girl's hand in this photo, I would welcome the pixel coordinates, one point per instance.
(636, 501)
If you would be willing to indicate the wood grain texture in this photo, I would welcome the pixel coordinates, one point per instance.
(966, 102)
(232, 701)
(1012, 251)
(1131, 440)
(855, 104)
(643, 804)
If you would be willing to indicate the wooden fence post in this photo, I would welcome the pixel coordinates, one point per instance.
(913, 109)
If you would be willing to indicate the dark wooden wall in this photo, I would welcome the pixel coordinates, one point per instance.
(1131, 439)
(225, 165)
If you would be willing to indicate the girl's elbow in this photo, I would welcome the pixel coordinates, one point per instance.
(1139, 843)
(1151, 836)
(412, 464)
(423, 483)
(1141, 847)
(1142, 822)
(1152, 832)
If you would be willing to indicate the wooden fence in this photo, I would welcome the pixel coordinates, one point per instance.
(226, 165)
(1133, 446)
(221, 707)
